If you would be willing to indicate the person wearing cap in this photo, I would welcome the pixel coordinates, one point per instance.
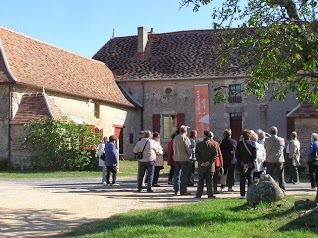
(246, 155)
(206, 154)
(181, 157)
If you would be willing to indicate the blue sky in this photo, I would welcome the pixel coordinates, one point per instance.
(84, 26)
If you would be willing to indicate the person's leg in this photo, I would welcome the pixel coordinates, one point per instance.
(230, 176)
(185, 169)
(108, 169)
(281, 178)
(242, 182)
(176, 176)
(141, 173)
(114, 171)
(294, 174)
(270, 169)
(150, 170)
(171, 172)
(209, 184)
(316, 175)
(249, 177)
(200, 185)
(215, 181)
(103, 174)
(156, 175)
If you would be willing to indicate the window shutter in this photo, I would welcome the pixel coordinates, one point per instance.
(180, 119)
(156, 122)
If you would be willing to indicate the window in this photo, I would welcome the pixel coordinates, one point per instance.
(96, 110)
(235, 94)
(169, 126)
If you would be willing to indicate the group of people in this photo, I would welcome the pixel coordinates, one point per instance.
(254, 154)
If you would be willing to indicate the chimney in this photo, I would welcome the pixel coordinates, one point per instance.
(142, 39)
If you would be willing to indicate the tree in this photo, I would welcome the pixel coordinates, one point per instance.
(277, 39)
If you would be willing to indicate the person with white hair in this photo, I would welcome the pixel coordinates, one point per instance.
(101, 158)
(312, 161)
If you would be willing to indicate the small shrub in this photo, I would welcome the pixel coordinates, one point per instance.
(61, 146)
(3, 164)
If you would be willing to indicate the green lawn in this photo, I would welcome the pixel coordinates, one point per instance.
(217, 218)
(127, 168)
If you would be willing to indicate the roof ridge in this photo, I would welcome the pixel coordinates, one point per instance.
(46, 43)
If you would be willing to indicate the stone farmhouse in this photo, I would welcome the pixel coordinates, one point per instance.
(145, 81)
(39, 80)
(174, 77)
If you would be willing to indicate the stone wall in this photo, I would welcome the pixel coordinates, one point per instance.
(4, 120)
(255, 113)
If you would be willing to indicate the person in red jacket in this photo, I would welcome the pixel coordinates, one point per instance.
(218, 165)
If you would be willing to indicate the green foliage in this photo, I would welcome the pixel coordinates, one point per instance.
(276, 42)
(61, 146)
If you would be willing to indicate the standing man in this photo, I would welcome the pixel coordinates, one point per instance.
(111, 160)
(147, 146)
(274, 146)
(228, 147)
(193, 137)
(181, 156)
(206, 154)
(294, 155)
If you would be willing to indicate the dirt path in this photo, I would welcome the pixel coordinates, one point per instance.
(47, 207)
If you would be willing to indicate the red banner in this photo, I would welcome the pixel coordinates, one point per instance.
(201, 108)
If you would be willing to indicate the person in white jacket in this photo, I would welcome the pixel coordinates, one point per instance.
(260, 158)
(159, 159)
(101, 158)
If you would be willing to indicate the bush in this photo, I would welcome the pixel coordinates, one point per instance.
(61, 146)
(3, 164)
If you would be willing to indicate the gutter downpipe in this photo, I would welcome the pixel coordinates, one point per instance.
(9, 126)
(143, 107)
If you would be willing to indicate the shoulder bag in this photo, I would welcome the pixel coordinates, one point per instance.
(140, 155)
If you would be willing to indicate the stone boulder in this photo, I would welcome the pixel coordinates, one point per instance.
(264, 190)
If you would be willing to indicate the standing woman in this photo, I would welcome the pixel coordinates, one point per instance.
(111, 160)
(260, 157)
(246, 155)
(312, 161)
(101, 156)
(159, 159)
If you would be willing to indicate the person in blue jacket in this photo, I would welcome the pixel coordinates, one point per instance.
(312, 161)
(111, 160)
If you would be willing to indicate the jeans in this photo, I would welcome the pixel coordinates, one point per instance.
(142, 168)
(181, 176)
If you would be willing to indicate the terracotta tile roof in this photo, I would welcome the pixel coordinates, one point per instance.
(305, 110)
(32, 107)
(184, 54)
(35, 63)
